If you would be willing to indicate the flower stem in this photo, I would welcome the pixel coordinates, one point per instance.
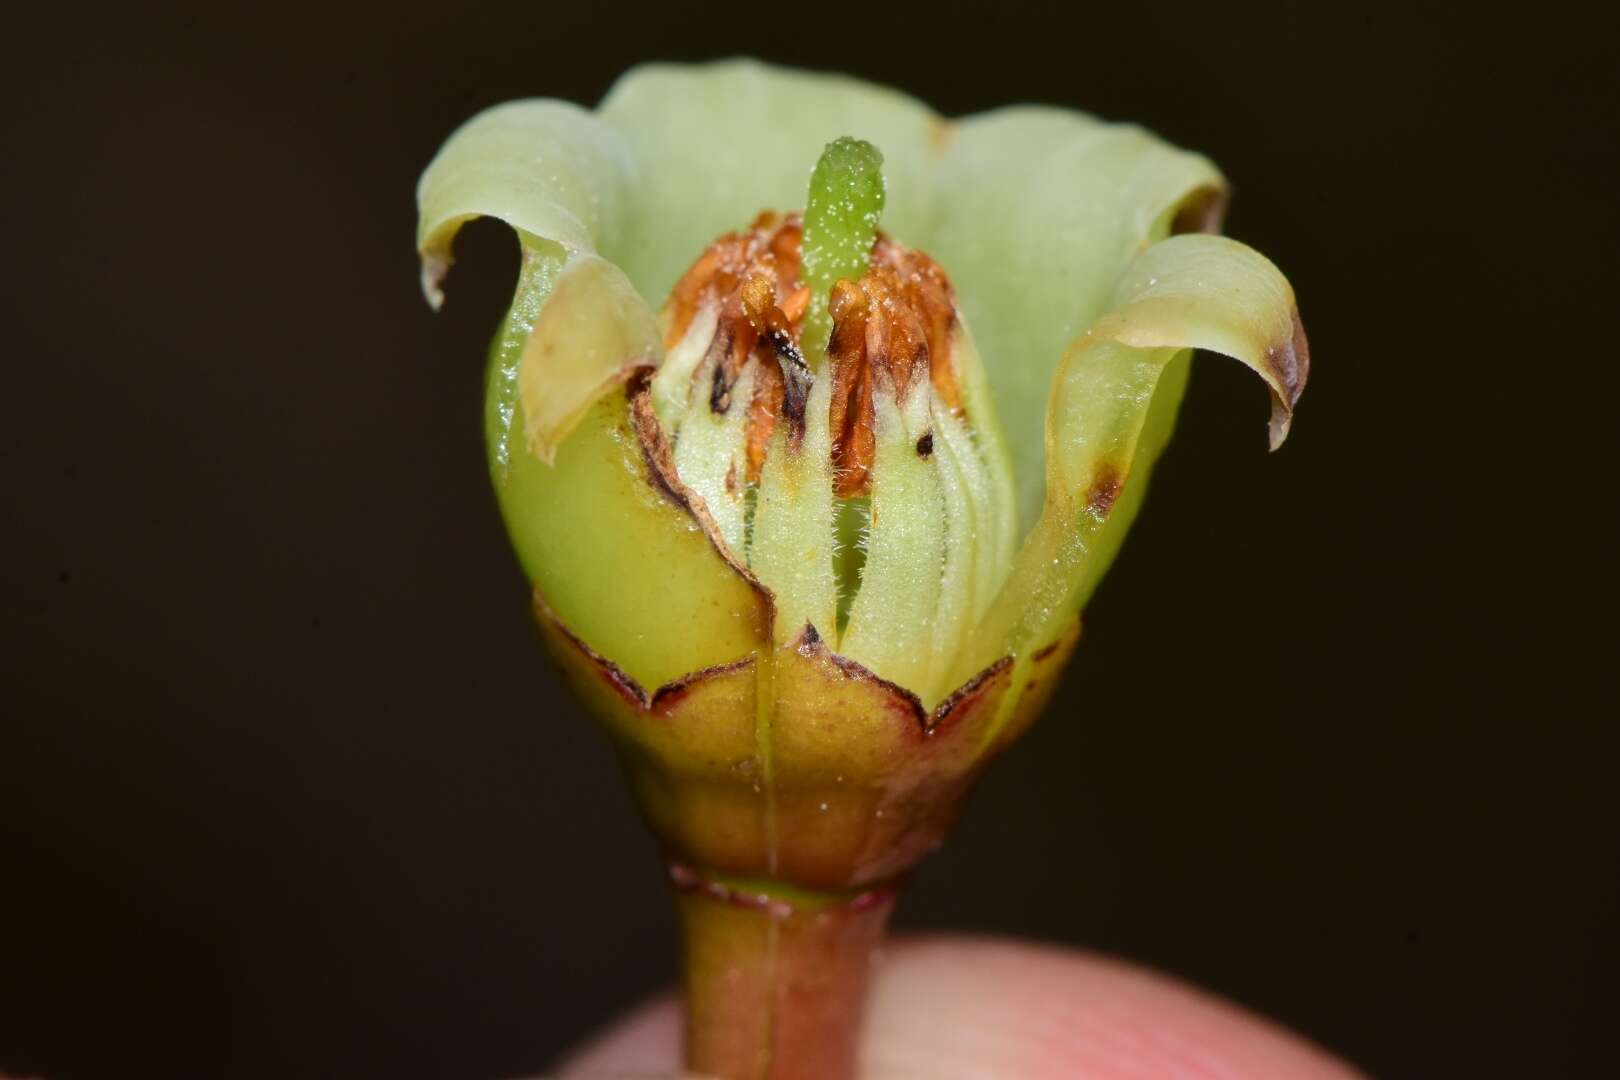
(775, 979)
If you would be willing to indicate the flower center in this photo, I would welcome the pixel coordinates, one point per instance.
(891, 327)
(816, 391)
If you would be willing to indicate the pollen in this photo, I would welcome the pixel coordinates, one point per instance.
(892, 331)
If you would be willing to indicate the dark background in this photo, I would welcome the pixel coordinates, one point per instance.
(287, 788)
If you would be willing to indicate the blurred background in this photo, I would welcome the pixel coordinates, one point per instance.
(288, 789)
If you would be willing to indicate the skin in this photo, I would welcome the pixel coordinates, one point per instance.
(957, 1007)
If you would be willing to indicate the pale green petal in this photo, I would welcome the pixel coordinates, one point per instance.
(672, 385)
(997, 535)
(614, 556)
(542, 261)
(1204, 292)
(1037, 210)
(592, 332)
(711, 457)
(1036, 214)
(547, 168)
(625, 568)
(792, 544)
(968, 517)
(714, 144)
(891, 623)
(560, 178)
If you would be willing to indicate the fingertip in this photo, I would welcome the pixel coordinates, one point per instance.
(959, 1008)
(643, 1044)
(967, 1008)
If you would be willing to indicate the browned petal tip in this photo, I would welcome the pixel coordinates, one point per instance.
(1202, 211)
(1289, 363)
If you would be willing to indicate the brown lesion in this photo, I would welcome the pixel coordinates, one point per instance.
(1106, 484)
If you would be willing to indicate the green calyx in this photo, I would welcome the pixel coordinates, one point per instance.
(841, 216)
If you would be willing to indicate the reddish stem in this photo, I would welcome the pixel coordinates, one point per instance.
(775, 982)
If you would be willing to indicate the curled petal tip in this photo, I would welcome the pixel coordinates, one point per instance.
(1281, 421)
(1290, 364)
(1107, 418)
(434, 267)
(1203, 210)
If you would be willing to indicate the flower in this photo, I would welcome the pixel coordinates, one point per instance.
(812, 536)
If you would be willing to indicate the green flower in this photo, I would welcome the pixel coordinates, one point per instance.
(813, 534)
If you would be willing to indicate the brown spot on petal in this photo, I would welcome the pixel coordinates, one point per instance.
(1106, 485)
